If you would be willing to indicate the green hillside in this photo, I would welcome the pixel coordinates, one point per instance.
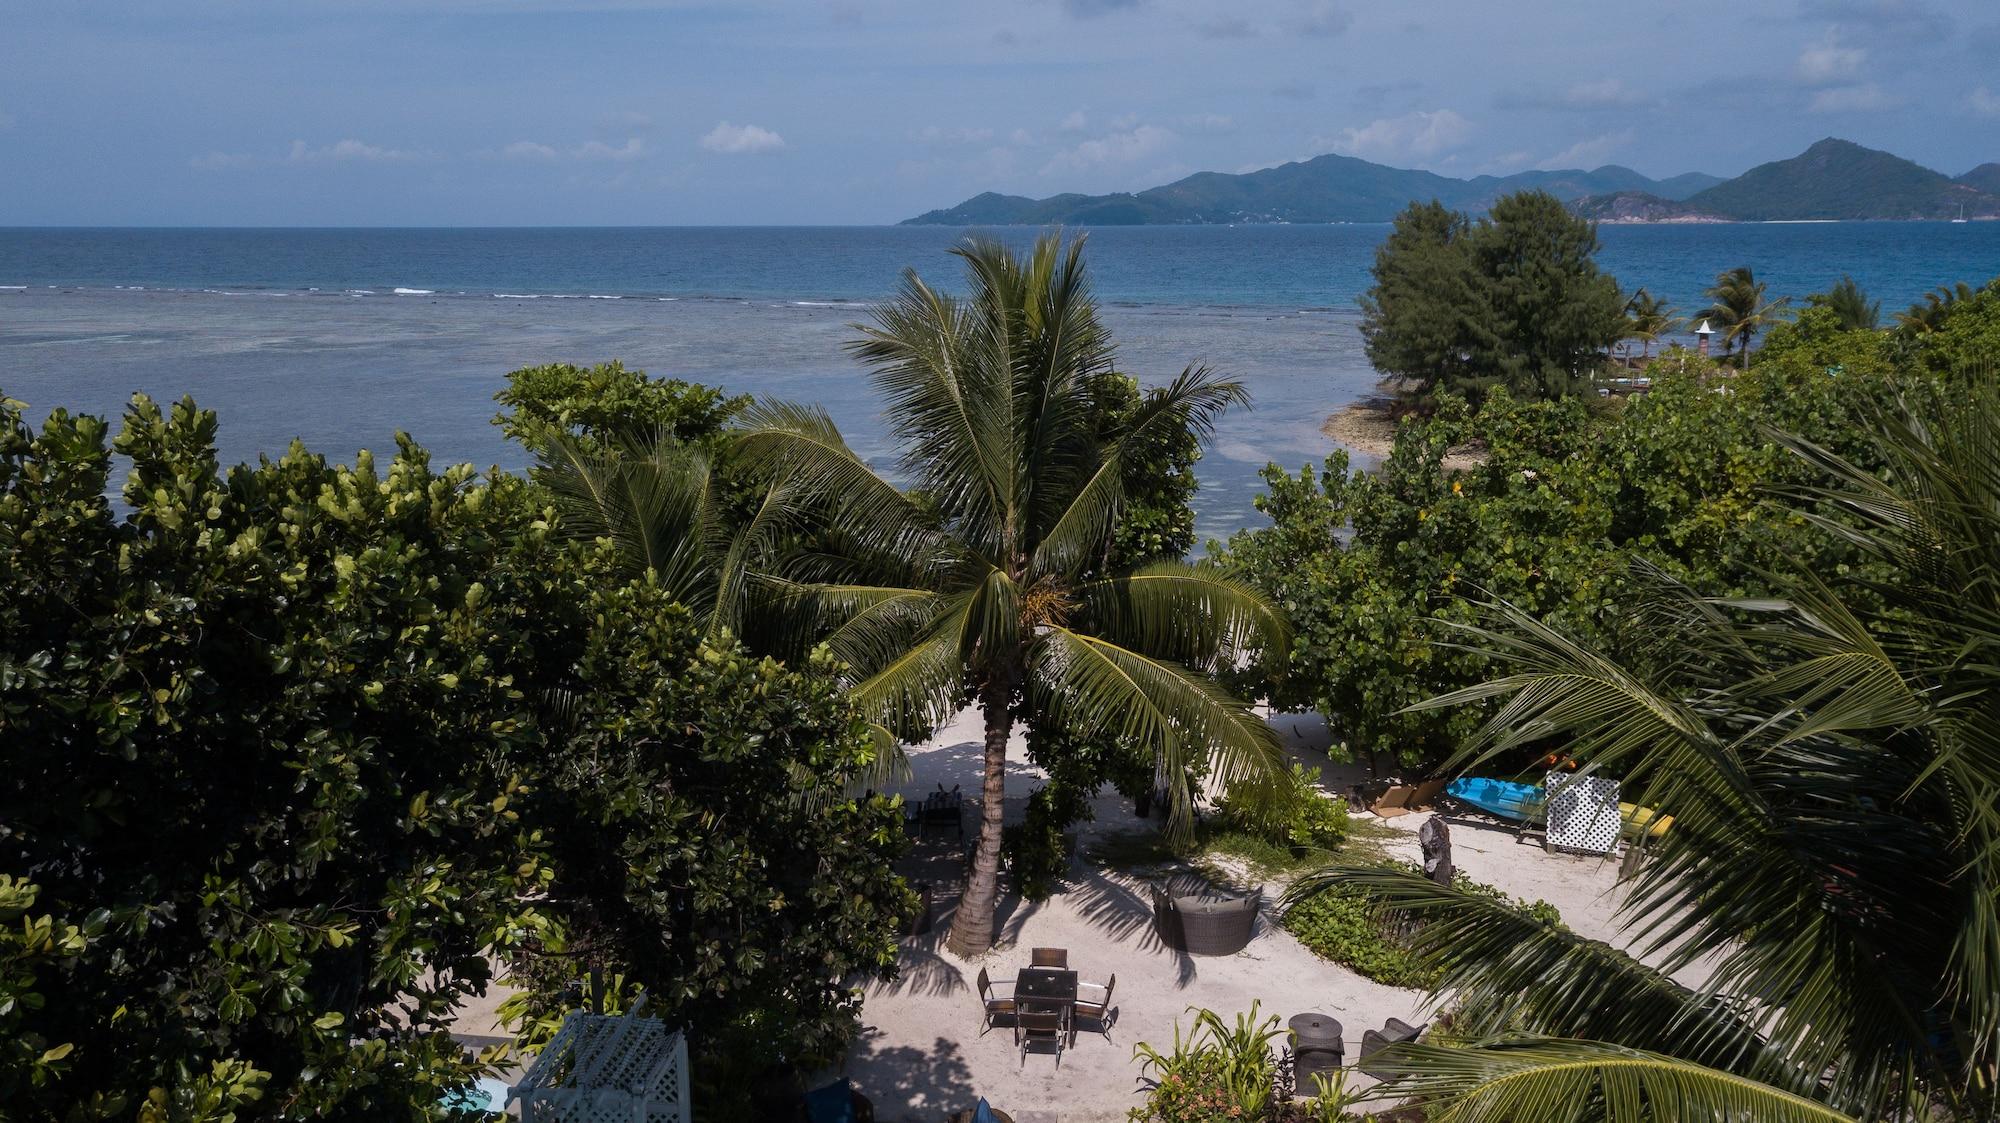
(1838, 179)
(1985, 177)
(1323, 189)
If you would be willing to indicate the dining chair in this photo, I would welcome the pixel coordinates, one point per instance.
(1049, 957)
(995, 1005)
(1093, 1003)
(1037, 1022)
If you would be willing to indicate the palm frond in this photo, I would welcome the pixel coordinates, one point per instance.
(1192, 613)
(1556, 1080)
(1097, 687)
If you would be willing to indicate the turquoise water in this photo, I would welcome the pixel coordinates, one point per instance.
(305, 332)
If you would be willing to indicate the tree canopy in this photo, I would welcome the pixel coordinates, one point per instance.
(1514, 300)
(297, 755)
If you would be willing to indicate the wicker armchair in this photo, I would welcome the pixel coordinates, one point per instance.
(1206, 922)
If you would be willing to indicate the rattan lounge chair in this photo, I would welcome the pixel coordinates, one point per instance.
(1206, 923)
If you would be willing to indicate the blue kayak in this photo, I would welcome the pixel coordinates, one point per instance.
(1504, 798)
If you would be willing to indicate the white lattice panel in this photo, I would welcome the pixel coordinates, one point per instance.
(1582, 812)
(598, 1069)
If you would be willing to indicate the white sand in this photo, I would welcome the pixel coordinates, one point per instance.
(922, 1055)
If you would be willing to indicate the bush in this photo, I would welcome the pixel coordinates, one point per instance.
(291, 754)
(1221, 1073)
(1343, 925)
(1299, 815)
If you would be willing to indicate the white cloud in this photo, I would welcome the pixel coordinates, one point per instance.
(1114, 148)
(349, 151)
(632, 149)
(1827, 63)
(1324, 20)
(739, 139)
(528, 150)
(1423, 134)
(1021, 136)
(933, 134)
(1209, 122)
(345, 151)
(1076, 122)
(1865, 98)
(1983, 102)
(1590, 152)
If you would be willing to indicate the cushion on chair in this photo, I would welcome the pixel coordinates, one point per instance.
(831, 1104)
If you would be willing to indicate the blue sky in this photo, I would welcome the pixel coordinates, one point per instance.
(473, 112)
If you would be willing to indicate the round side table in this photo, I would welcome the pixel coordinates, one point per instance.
(1316, 1049)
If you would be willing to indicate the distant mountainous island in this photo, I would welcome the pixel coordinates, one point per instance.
(1834, 179)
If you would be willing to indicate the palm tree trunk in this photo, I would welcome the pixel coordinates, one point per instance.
(972, 925)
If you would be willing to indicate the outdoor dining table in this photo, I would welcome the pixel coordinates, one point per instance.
(1048, 986)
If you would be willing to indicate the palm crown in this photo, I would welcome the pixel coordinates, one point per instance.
(1741, 309)
(984, 582)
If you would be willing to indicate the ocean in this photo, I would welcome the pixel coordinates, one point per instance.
(342, 337)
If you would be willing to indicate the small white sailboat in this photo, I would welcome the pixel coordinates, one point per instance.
(1961, 213)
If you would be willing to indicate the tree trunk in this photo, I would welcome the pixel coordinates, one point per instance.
(972, 925)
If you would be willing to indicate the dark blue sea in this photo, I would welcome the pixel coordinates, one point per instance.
(342, 337)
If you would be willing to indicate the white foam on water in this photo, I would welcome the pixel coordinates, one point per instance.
(14, 288)
(400, 291)
(516, 296)
(595, 296)
(829, 303)
(666, 299)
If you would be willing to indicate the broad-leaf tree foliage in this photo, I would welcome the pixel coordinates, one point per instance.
(292, 754)
(1830, 752)
(994, 588)
(1365, 564)
(1514, 300)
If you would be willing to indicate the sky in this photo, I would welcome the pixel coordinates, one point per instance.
(656, 112)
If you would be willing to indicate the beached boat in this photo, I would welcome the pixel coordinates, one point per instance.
(1510, 799)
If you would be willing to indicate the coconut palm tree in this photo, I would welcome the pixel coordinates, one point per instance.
(1848, 302)
(984, 582)
(1647, 318)
(1831, 760)
(1740, 309)
(1929, 314)
(672, 516)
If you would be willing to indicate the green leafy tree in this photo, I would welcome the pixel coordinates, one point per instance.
(1740, 308)
(293, 753)
(998, 598)
(1828, 751)
(1424, 318)
(1366, 564)
(1514, 300)
(609, 404)
(1930, 313)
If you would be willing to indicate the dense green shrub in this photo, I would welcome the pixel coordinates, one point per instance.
(1375, 568)
(1343, 925)
(1231, 1073)
(291, 753)
(1299, 816)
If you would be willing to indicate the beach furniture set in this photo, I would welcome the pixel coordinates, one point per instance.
(1046, 1003)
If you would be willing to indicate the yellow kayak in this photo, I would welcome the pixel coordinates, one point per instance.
(1644, 820)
